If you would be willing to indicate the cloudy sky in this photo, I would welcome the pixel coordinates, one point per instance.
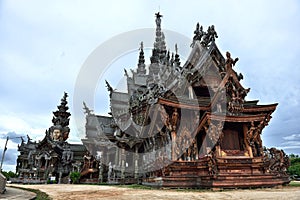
(44, 45)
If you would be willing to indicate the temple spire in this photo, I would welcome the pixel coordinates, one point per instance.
(177, 59)
(61, 116)
(159, 50)
(141, 65)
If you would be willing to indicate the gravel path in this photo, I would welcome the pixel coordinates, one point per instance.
(70, 192)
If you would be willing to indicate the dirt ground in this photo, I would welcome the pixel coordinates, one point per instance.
(82, 192)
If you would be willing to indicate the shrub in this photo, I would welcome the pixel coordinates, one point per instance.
(75, 176)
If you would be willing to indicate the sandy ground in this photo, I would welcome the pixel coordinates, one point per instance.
(68, 192)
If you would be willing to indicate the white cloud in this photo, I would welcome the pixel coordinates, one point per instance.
(292, 138)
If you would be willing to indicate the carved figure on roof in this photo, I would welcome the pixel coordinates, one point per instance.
(205, 39)
(212, 33)
(22, 140)
(126, 73)
(86, 109)
(158, 19)
(209, 36)
(199, 33)
(28, 138)
(109, 88)
(229, 63)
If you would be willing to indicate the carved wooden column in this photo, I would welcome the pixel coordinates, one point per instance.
(123, 159)
(135, 162)
(116, 157)
(100, 175)
(174, 155)
(248, 147)
(218, 151)
(59, 178)
(107, 155)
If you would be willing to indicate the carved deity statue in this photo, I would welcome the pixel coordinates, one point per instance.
(250, 133)
(174, 118)
(158, 19)
(212, 33)
(229, 63)
(199, 33)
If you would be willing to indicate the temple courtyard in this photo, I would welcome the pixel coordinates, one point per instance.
(68, 192)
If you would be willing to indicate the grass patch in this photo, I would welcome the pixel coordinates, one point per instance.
(137, 186)
(294, 184)
(39, 194)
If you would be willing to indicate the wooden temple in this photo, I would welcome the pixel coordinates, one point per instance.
(185, 125)
(53, 158)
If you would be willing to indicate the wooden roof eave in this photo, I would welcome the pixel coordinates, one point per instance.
(260, 108)
(245, 118)
(182, 105)
(234, 118)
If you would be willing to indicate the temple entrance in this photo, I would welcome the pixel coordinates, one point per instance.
(233, 140)
(230, 140)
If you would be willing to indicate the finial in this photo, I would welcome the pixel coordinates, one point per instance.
(87, 110)
(158, 15)
(126, 74)
(142, 45)
(109, 88)
(28, 138)
(158, 20)
(176, 49)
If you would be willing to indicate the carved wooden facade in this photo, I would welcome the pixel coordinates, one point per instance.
(53, 157)
(185, 125)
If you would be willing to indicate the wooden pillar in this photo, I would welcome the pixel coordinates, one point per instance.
(100, 167)
(119, 158)
(174, 155)
(59, 178)
(107, 155)
(218, 151)
(123, 159)
(248, 147)
(116, 156)
(135, 162)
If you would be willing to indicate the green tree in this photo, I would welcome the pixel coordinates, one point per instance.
(9, 174)
(294, 169)
(75, 176)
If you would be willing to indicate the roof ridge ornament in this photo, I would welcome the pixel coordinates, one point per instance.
(109, 88)
(141, 63)
(87, 110)
(205, 38)
(230, 63)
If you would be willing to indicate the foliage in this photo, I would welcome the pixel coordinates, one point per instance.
(294, 184)
(136, 186)
(9, 174)
(75, 176)
(51, 182)
(39, 194)
(294, 169)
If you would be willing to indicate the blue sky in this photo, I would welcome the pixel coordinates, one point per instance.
(44, 44)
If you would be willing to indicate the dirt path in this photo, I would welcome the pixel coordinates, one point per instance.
(82, 192)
